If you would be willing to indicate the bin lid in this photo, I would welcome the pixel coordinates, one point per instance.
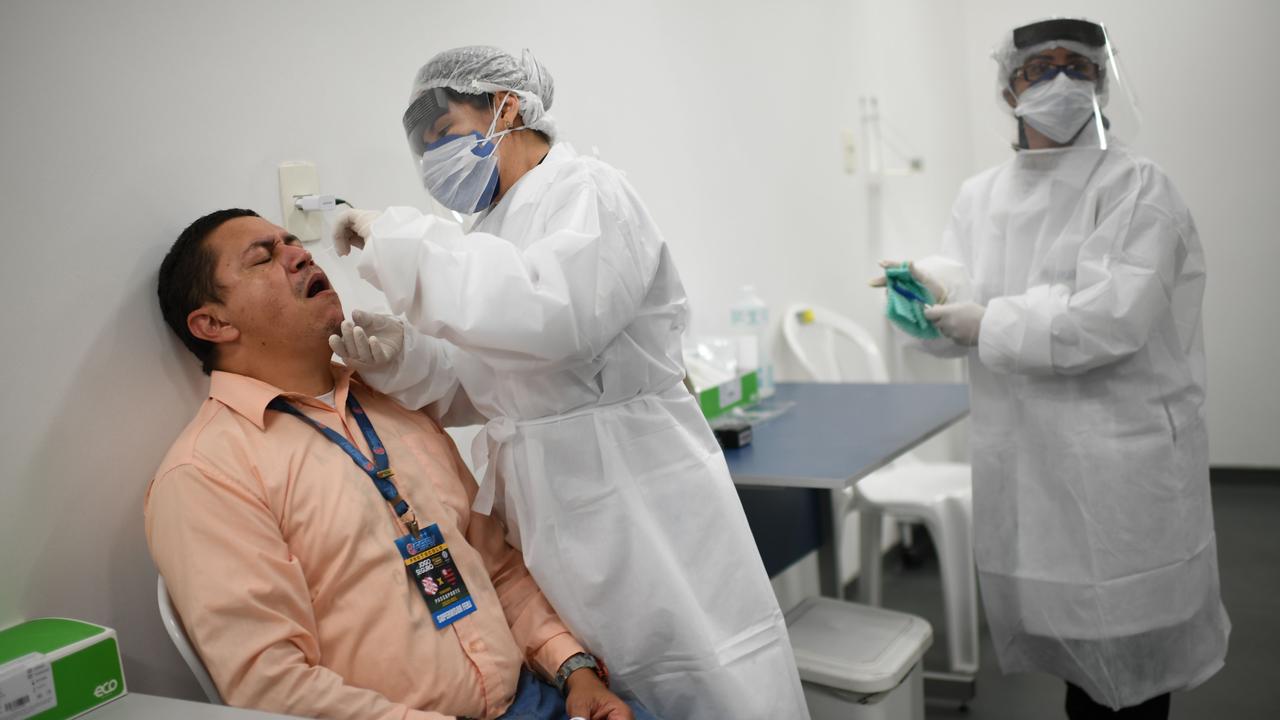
(854, 647)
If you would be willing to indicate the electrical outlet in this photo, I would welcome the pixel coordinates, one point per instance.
(296, 179)
(849, 152)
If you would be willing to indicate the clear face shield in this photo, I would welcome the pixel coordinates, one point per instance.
(460, 171)
(1061, 86)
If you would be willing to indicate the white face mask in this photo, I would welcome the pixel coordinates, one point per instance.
(461, 171)
(1058, 108)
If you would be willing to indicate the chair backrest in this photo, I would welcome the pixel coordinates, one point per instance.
(804, 318)
(178, 634)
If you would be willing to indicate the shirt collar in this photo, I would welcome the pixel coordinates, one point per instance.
(248, 397)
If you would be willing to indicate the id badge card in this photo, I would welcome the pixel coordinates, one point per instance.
(432, 570)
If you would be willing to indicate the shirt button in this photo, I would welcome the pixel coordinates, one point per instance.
(477, 646)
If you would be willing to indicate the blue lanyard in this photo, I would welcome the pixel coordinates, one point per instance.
(378, 470)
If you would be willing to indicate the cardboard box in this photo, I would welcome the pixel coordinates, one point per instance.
(54, 669)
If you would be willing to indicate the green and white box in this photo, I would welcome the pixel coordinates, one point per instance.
(54, 669)
(739, 392)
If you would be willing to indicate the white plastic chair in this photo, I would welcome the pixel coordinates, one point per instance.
(178, 634)
(940, 495)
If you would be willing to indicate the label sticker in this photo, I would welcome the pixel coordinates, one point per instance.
(26, 687)
(730, 392)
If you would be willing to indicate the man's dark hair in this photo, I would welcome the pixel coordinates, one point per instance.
(187, 280)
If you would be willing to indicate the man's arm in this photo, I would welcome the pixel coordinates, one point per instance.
(244, 601)
(539, 632)
(542, 636)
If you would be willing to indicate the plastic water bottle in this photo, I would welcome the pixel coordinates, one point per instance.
(750, 316)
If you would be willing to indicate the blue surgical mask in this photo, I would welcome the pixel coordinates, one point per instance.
(461, 171)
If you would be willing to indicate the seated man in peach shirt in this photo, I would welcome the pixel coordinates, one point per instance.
(316, 538)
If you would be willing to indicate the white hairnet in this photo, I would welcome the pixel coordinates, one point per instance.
(479, 69)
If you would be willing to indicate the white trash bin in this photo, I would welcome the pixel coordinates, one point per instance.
(859, 662)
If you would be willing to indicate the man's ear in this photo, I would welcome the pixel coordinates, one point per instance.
(1009, 98)
(208, 323)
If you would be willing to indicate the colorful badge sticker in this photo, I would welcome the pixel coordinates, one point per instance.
(431, 569)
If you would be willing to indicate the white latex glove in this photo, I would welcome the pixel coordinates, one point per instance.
(922, 277)
(368, 340)
(959, 321)
(352, 228)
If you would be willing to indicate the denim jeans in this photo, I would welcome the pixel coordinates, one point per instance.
(536, 700)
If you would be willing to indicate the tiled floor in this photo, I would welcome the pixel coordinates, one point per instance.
(1247, 518)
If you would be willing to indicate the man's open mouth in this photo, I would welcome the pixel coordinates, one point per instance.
(317, 284)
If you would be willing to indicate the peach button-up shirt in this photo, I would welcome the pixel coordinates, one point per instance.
(279, 556)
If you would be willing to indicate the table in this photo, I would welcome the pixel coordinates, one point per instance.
(134, 706)
(835, 435)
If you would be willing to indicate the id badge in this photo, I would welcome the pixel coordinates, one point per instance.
(432, 570)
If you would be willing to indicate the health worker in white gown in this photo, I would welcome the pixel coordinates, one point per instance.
(555, 321)
(1071, 277)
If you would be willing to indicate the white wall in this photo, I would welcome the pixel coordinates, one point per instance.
(121, 122)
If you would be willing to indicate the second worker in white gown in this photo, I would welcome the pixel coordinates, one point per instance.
(556, 322)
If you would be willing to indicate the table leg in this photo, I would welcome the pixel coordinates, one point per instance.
(871, 569)
(832, 533)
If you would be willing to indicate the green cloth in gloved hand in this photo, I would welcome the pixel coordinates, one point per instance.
(906, 300)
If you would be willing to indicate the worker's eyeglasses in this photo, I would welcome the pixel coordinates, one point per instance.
(1038, 71)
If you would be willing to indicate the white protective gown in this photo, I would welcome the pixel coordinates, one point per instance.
(1092, 520)
(560, 316)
